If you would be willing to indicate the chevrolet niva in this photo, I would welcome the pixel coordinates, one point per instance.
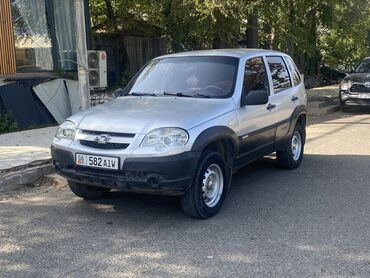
(184, 124)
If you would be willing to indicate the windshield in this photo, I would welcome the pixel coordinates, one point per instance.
(363, 67)
(205, 76)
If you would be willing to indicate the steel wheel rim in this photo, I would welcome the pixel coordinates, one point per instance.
(212, 185)
(296, 145)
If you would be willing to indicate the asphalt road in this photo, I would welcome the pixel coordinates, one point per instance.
(311, 222)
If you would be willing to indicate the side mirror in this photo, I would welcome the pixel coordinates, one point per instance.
(255, 98)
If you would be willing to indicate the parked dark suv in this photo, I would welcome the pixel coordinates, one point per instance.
(355, 87)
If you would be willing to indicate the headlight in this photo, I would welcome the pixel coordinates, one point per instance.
(165, 137)
(345, 85)
(66, 130)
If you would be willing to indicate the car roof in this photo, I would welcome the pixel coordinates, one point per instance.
(237, 52)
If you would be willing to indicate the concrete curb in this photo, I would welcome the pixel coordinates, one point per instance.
(25, 174)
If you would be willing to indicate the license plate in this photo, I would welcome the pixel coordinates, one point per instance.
(364, 96)
(97, 161)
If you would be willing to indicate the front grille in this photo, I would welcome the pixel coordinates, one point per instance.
(106, 146)
(113, 134)
(360, 88)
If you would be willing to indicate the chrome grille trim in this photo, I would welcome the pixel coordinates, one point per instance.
(84, 138)
(112, 134)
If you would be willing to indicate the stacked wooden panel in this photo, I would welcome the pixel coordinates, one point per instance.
(7, 53)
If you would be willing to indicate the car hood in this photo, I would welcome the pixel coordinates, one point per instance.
(357, 77)
(143, 114)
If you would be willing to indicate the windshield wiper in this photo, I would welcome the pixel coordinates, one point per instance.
(135, 94)
(179, 94)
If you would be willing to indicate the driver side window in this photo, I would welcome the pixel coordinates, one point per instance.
(255, 77)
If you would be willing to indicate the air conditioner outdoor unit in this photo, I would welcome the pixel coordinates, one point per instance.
(97, 68)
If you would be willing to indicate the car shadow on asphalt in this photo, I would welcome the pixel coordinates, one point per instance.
(158, 206)
(263, 179)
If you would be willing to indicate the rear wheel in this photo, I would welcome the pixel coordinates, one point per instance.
(87, 192)
(206, 195)
(291, 157)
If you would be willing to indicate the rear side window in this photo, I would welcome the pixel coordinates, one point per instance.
(255, 76)
(279, 73)
(296, 75)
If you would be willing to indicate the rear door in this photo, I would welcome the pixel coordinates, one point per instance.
(283, 94)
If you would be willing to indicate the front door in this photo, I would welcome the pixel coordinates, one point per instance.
(257, 126)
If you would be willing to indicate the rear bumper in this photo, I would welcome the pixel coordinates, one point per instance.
(169, 175)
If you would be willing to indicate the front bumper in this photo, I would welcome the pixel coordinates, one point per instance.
(356, 102)
(351, 99)
(169, 175)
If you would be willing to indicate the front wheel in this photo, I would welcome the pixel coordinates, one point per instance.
(206, 195)
(87, 192)
(291, 157)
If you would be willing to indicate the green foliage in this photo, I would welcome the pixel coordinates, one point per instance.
(334, 32)
(8, 122)
(345, 42)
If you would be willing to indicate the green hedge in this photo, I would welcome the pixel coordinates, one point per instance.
(8, 122)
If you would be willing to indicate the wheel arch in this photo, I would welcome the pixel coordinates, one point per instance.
(218, 138)
(299, 116)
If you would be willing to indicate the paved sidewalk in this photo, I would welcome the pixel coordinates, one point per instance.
(23, 147)
(322, 93)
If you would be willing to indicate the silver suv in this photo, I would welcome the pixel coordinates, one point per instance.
(184, 125)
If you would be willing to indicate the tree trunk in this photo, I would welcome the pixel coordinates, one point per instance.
(291, 18)
(216, 43)
(110, 14)
(252, 30)
(267, 43)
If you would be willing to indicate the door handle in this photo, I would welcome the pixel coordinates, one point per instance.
(295, 98)
(271, 106)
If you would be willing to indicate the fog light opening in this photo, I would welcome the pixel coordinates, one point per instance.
(153, 181)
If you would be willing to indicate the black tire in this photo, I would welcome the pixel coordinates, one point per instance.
(87, 192)
(344, 108)
(285, 158)
(192, 202)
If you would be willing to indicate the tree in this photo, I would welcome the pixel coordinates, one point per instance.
(314, 32)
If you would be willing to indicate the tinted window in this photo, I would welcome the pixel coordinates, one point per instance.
(363, 67)
(279, 73)
(191, 76)
(296, 76)
(255, 76)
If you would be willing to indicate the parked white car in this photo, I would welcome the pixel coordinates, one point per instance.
(184, 125)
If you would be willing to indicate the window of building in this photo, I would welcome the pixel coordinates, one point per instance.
(44, 33)
(279, 73)
(255, 76)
